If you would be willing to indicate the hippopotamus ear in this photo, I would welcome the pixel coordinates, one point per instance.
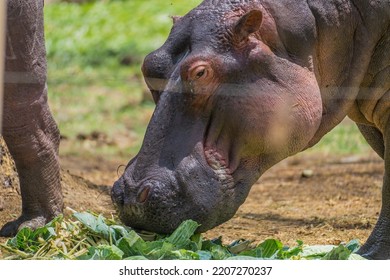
(175, 19)
(247, 24)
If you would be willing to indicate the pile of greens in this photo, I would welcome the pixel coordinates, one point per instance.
(88, 236)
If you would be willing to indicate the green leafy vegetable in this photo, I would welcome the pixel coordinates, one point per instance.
(93, 237)
(181, 237)
(103, 252)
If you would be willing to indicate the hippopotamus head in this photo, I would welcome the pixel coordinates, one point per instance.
(229, 104)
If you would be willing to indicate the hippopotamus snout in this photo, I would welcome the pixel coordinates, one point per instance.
(133, 195)
(131, 198)
(148, 203)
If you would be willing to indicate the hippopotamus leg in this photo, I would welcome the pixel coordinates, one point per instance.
(29, 129)
(378, 243)
(374, 137)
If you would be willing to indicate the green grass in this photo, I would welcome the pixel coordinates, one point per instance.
(95, 33)
(91, 90)
(343, 139)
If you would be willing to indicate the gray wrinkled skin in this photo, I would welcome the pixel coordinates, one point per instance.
(29, 129)
(241, 85)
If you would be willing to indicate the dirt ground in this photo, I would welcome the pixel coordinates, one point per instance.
(338, 199)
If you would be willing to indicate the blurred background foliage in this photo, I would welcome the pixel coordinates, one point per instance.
(95, 49)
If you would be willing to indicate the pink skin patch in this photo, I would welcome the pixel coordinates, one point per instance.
(217, 162)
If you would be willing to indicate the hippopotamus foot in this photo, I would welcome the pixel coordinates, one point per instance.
(11, 228)
(377, 246)
(36, 158)
(39, 177)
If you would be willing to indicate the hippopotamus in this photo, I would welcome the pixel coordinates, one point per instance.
(240, 85)
(31, 133)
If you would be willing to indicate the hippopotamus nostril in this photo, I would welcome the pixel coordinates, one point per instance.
(143, 194)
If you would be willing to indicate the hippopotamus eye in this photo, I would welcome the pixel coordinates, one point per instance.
(198, 71)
